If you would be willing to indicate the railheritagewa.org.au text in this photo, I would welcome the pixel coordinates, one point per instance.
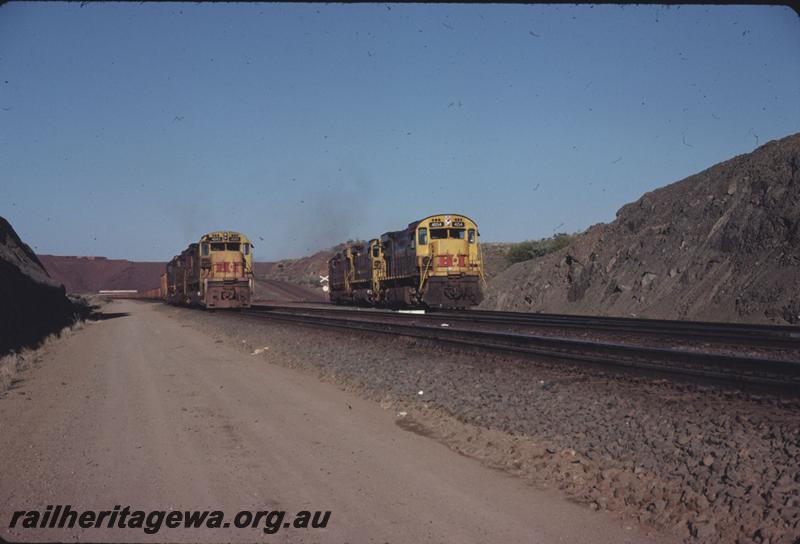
(152, 521)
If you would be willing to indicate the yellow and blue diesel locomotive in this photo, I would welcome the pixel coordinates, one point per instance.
(435, 263)
(216, 272)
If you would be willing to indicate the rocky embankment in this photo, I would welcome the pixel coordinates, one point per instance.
(33, 304)
(305, 271)
(720, 245)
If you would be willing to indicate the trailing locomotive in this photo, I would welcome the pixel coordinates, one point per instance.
(435, 263)
(216, 272)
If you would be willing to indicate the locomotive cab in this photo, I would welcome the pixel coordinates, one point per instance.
(226, 270)
(216, 272)
(448, 246)
(449, 261)
(435, 262)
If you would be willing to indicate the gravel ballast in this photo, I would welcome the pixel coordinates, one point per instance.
(700, 462)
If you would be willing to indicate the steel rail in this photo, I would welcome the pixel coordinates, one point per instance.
(776, 374)
(772, 336)
(790, 330)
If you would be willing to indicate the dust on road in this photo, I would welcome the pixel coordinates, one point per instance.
(141, 410)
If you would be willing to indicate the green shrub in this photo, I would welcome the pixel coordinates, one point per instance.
(532, 249)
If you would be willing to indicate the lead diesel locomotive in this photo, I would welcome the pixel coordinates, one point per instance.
(435, 263)
(216, 272)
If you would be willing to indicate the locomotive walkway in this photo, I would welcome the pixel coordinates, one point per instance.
(140, 410)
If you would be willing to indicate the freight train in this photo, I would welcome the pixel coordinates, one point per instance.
(435, 263)
(216, 272)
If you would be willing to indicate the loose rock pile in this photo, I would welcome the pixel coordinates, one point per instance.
(707, 464)
(721, 245)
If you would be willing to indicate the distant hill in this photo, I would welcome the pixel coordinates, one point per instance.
(722, 245)
(81, 275)
(304, 271)
(85, 275)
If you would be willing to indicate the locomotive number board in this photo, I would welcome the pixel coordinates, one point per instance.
(447, 222)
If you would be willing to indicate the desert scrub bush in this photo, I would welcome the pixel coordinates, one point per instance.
(532, 249)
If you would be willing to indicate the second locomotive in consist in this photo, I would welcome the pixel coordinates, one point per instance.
(434, 262)
(216, 272)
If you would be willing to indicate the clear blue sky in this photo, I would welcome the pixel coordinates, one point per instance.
(128, 130)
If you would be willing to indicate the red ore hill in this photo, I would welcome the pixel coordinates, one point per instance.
(85, 275)
(91, 274)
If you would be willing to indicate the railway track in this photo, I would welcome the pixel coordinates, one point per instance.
(774, 374)
(733, 334)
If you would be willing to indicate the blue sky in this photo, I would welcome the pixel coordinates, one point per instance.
(128, 130)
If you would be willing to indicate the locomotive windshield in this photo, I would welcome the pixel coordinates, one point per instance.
(441, 234)
(222, 246)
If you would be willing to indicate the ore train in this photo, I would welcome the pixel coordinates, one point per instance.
(216, 272)
(435, 263)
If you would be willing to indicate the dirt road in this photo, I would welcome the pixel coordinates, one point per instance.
(140, 410)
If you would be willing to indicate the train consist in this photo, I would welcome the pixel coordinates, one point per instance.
(216, 272)
(435, 263)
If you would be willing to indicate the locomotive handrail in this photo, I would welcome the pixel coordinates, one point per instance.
(424, 276)
(480, 268)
